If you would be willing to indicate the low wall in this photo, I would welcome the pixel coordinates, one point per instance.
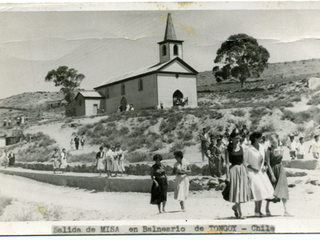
(301, 164)
(116, 184)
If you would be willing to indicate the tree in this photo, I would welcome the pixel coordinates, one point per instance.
(69, 79)
(242, 57)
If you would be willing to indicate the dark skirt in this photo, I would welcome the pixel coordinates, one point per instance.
(281, 185)
(159, 194)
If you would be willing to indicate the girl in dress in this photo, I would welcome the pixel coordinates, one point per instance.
(100, 157)
(120, 155)
(159, 184)
(114, 159)
(63, 164)
(277, 174)
(254, 158)
(181, 188)
(56, 160)
(237, 174)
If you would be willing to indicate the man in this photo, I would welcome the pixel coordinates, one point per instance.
(300, 148)
(292, 147)
(218, 156)
(204, 138)
(315, 147)
(76, 142)
(82, 142)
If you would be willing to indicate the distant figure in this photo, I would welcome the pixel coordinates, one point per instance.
(204, 138)
(22, 120)
(64, 164)
(9, 122)
(120, 109)
(315, 147)
(109, 160)
(159, 187)
(56, 161)
(161, 106)
(128, 107)
(18, 120)
(27, 119)
(72, 145)
(218, 156)
(76, 142)
(82, 141)
(300, 148)
(114, 159)
(4, 122)
(4, 159)
(12, 159)
(100, 157)
(120, 158)
(131, 107)
(292, 147)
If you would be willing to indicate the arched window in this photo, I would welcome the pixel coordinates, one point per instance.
(175, 50)
(140, 85)
(107, 93)
(123, 89)
(164, 50)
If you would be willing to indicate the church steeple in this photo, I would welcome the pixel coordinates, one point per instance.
(170, 47)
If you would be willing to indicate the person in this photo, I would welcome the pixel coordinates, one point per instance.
(315, 147)
(210, 156)
(82, 141)
(72, 144)
(56, 161)
(22, 120)
(100, 157)
(4, 159)
(254, 158)
(277, 175)
(63, 164)
(131, 107)
(292, 147)
(12, 158)
(181, 187)
(236, 175)
(128, 107)
(159, 187)
(108, 160)
(76, 142)
(5, 122)
(217, 153)
(120, 158)
(204, 138)
(161, 106)
(18, 120)
(9, 122)
(300, 148)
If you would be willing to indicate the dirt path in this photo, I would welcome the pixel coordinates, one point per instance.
(65, 203)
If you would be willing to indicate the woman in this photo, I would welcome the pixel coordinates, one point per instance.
(100, 157)
(72, 144)
(277, 174)
(63, 164)
(237, 175)
(55, 160)
(254, 157)
(181, 188)
(109, 159)
(120, 157)
(159, 184)
(114, 159)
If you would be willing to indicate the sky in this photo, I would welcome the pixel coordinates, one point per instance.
(101, 44)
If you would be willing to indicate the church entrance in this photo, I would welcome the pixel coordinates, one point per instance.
(177, 98)
(123, 104)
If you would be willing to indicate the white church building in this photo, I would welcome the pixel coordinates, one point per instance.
(170, 82)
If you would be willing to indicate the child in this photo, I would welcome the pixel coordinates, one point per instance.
(300, 148)
(315, 147)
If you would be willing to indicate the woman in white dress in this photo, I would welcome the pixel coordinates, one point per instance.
(100, 157)
(108, 160)
(120, 157)
(255, 160)
(64, 164)
(181, 188)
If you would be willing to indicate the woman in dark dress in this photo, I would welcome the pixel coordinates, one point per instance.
(277, 174)
(160, 185)
(237, 175)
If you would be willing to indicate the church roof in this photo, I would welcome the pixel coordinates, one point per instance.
(144, 71)
(89, 94)
(170, 33)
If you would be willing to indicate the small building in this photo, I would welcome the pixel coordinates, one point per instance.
(86, 103)
(56, 103)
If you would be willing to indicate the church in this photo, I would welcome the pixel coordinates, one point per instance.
(171, 82)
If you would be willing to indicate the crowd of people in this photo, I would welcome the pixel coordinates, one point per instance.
(253, 167)
(76, 142)
(20, 120)
(7, 159)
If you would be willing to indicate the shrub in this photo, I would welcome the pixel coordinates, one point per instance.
(267, 128)
(215, 115)
(238, 113)
(156, 146)
(85, 157)
(124, 131)
(177, 146)
(137, 157)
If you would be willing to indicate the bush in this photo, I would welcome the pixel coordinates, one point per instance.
(177, 146)
(267, 128)
(238, 113)
(85, 157)
(138, 157)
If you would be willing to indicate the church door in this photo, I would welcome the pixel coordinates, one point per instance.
(123, 104)
(177, 98)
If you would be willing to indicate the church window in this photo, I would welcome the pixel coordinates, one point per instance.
(175, 49)
(123, 89)
(107, 93)
(140, 85)
(164, 50)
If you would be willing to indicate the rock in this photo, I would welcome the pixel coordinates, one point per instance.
(314, 182)
(296, 174)
(313, 83)
(301, 164)
(291, 185)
